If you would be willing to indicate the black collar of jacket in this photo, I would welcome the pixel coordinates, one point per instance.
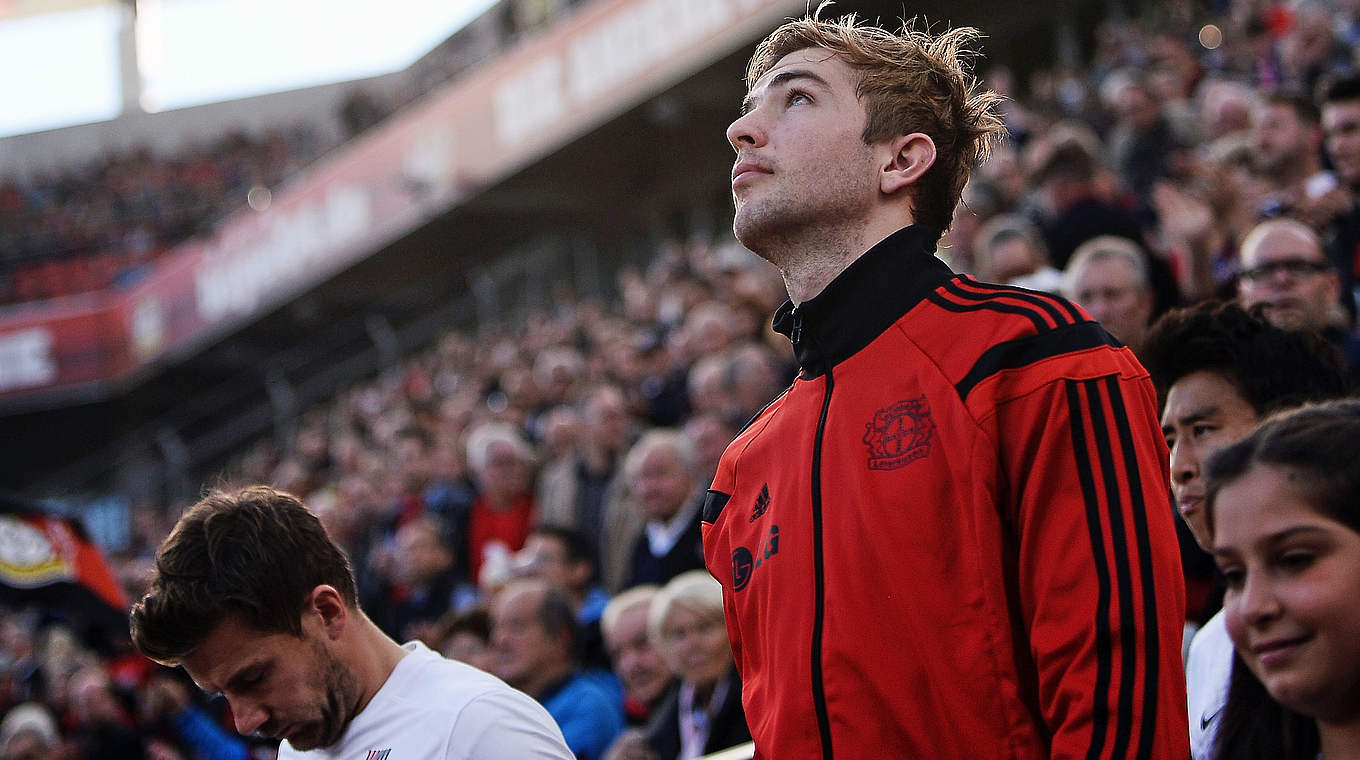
(862, 301)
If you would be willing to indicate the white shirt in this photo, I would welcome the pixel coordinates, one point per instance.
(1207, 671)
(432, 708)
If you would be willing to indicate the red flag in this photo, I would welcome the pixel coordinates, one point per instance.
(50, 560)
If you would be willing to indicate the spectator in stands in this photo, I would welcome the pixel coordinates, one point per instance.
(702, 712)
(1287, 152)
(1285, 271)
(449, 493)
(1075, 212)
(585, 490)
(533, 629)
(1107, 276)
(1219, 371)
(981, 200)
(503, 511)
(711, 433)
(29, 732)
(645, 676)
(411, 455)
(709, 387)
(1285, 525)
(1340, 108)
(1225, 112)
(557, 372)
(565, 558)
(706, 331)
(663, 482)
(1009, 251)
(166, 707)
(466, 637)
(660, 379)
(1310, 50)
(754, 379)
(423, 587)
(1141, 143)
(20, 668)
(105, 729)
(561, 436)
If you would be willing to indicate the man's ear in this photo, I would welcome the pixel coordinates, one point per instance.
(327, 603)
(910, 157)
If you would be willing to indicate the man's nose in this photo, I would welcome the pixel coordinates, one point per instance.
(745, 132)
(1184, 464)
(248, 715)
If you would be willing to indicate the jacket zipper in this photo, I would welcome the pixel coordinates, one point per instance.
(819, 581)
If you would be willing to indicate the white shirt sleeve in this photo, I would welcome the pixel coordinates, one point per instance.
(1207, 671)
(507, 724)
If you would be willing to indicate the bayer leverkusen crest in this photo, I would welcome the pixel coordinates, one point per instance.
(899, 434)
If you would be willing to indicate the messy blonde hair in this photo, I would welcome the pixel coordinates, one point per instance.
(911, 81)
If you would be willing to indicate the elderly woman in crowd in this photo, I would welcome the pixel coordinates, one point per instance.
(702, 713)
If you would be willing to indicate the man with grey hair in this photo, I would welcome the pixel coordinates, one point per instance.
(503, 511)
(1108, 277)
(662, 475)
(29, 732)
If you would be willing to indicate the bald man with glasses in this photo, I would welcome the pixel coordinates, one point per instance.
(1285, 271)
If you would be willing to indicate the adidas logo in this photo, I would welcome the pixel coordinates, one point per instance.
(762, 502)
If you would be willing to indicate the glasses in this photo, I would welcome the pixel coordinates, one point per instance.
(1294, 267)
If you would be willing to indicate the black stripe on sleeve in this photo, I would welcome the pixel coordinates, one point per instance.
(1128, 633)
(1047, 301)
(714, 501)
(1085, 474)
(1151, 646)
(1020, 352)
(958, 308)
(991, 295)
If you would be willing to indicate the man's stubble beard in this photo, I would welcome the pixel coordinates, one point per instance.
(341, 691)
(786, 231)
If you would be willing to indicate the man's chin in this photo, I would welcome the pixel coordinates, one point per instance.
(307, 740)
(311, 736)
(1286, 317)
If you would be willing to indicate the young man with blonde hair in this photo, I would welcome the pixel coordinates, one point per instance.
(950, 537)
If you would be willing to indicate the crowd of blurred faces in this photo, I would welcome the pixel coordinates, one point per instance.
(497, 490)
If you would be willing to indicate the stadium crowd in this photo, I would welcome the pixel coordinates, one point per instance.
(96, 226)
(527, 499)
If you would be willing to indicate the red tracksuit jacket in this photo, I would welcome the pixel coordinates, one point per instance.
(951, 537)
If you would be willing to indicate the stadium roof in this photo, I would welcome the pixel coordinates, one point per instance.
(89, 60)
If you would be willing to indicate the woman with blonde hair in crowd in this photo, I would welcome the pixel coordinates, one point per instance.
(1284, 514)
(702, 713)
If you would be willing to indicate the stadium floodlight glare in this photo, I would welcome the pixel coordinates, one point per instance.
(192, 52)
(60, 68)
